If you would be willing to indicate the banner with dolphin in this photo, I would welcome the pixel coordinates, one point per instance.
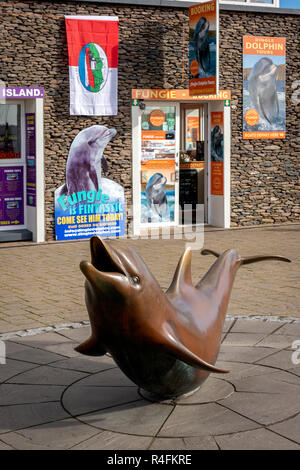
(88, 204)
(203, 48)
(263, 87)
(93, 64)
(217, 153)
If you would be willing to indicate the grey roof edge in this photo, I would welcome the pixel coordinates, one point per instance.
(173, 4)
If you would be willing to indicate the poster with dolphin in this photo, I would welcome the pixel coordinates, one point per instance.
(203, 48)
(263, 87)
(87, 203)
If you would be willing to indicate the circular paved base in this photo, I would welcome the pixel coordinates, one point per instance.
(55, 398)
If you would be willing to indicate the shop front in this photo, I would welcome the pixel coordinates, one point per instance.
(180, 159)
(21, 164)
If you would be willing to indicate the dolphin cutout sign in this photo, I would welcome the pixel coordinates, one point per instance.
(166, 343)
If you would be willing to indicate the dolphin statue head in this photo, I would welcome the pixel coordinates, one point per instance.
(262, 89)
(165, 342)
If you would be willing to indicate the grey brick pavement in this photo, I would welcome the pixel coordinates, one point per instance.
(53, 398)
(42, 285)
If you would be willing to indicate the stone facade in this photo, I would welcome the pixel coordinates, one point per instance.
(153, 53)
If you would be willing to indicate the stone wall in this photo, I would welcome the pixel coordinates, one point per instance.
(153, 53)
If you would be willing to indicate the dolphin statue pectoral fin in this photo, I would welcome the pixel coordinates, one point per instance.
(249, 259)
(91, 347)
(181, 352)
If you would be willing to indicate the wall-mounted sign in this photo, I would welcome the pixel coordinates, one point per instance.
(21, 92)
(263, 88)
(11, 196)
(203, 48)
(89, 204)
(93, 64)
(30, 159)
(173, 94)
(217, 153)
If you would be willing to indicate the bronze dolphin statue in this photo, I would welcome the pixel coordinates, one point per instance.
(166, 343)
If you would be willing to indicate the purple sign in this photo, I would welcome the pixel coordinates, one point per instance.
(21, 92)
(30, 159)
(11, 196)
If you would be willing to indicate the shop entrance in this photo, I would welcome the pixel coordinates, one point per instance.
(193, 160)
(181, 155)
(21, 164)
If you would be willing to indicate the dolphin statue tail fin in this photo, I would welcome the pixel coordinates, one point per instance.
(249, 259)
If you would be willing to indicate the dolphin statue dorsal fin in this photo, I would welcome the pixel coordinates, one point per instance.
(183, 273)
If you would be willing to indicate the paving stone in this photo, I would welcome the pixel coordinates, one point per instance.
(48, 375)
(292, 329)
(114, 441)
(227, 324)
(279, 360)
(289, 428)
(266, 383)
(4, 446)
(240, 370)
(254, 326)
(78, 334)
(199, 420)
(138, 418)
(186, 443)
(259, 439)
(242, 339)
(86, 364)
(49, 436)
(29, 354)
(13, 367)
(23, 416)
(113, 377)
(43, 340)
(278, 341)
(247, 354)
(52, 342)
(264, 408)
(12, 395)
(81, 399)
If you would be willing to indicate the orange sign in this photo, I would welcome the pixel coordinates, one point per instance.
(153, 135)
(251, 117)
(217, 178)
(264, 45)
(157, 117)
(217, 118)
(177, 95)
(189, 165)
(203, 46)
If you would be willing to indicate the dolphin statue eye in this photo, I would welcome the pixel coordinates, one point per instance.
(135, 279)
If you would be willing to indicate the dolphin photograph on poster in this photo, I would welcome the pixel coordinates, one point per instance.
(88, 203)
(263, 88)
(203, 48)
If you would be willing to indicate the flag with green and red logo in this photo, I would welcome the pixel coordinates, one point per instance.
(93, 64)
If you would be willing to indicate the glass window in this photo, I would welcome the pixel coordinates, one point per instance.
(10, 131)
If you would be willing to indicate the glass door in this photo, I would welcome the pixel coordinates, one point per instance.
(159, 164)
(12, 171)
